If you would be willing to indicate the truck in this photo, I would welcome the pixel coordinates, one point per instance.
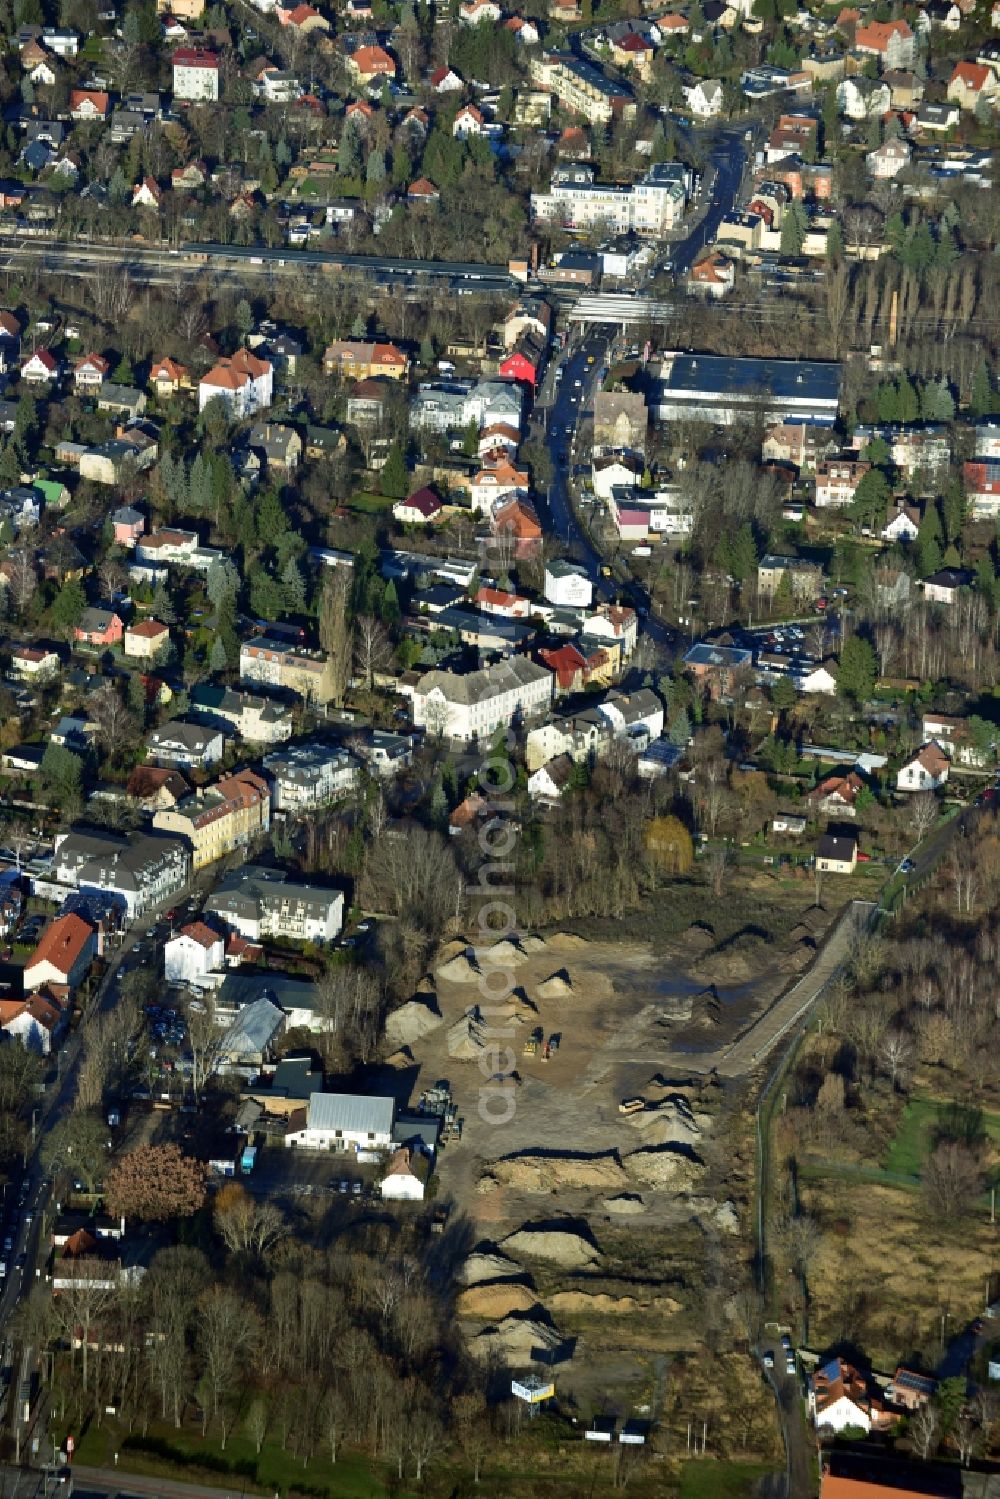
(248, 1159)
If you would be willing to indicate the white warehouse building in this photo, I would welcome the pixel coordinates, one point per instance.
(343, 1121)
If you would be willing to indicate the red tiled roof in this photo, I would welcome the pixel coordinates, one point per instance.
(62, 944)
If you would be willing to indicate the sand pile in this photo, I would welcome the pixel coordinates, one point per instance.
(580, 1302)
(669, 1122)
(624, 1203)
(560, 1246)
(493, 1302)
(483, 1264)
(413, 1020)
(468, 1036)
(546, 1173)
(460, 969)
(503, 954)
(558, 986)
(660, 1166)
(567, 942)
(517, 1340)
(532, 944)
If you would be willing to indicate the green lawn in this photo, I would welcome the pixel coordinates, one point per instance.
(370, 504)
(704, 1479)
(186, 1456)
(915, 1135)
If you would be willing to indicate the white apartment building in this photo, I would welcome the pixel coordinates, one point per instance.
(653, 206)
(258, 903)
(196, 74)
(309, 774)
(473, 706)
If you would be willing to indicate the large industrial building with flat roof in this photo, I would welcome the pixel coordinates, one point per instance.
(714, 388)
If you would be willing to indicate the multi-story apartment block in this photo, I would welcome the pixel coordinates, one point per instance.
(269, 662)
(310, 773)
(582, 88)
(837, 479)
(217, 820)
(264, 903)
(474, 705)
(653, 206)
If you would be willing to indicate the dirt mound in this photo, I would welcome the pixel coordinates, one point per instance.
(625, 1202)
(459, 969)
(670, 1122)
(494, 1302)
(566, 942)
(699, 937)
(546, 1173)
(412, 1020)
(532, 944)
(500, 954)
(660, 1166)
(600, 1302)
(557, 986)
(468, 1036)
(560, 1246)
(484, 1265)
(452, 949)
(518, 1340)
(400, 1059)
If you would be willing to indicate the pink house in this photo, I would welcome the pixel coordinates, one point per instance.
(99, 627)
(128, 525)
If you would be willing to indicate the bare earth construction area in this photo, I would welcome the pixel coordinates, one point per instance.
(639, 1193)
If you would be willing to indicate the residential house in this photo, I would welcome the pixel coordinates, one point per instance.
(195, 952)
(216, 820)
(147, 194)
(971, 82)
(64, 954)
(445, 80)
(343, 1122)
(910, 1389)
(251, 1040)
(196, 74)
(836, 795)
(518, 520)
(151, 787)
(713, 275)
(944, 587)
(982, 486)
(248, 715)
(121, 400)
(168, 378)
(260, 903)
(90, 372)
(127, 524)
(405, 1178)
(185, 746)
(704, 98)
(839, 1398)
(101, 627)
(280, 445)
(888, 160)
(902, 523)
(419, 509)
(499, 482)
(861, 98)
(955, 736)
(473, 706)
(357, 360)
(804, 578)
(34, 663)
(40, 368)
(837, 854)
(309, 773)
(837, 479)
(368, 64)
(35, 1021)
(800, 443)
(891, 42)
(243, 383)
(145, 640)
(927, 770)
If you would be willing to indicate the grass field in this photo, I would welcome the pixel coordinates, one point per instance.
(370, 504)
(704, 1479)
(914, 1138)
(186, 1456)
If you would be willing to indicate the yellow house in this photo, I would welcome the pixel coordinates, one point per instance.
(219, 819)
(365, 361)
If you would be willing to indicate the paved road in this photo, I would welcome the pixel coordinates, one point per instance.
(753, 1046)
